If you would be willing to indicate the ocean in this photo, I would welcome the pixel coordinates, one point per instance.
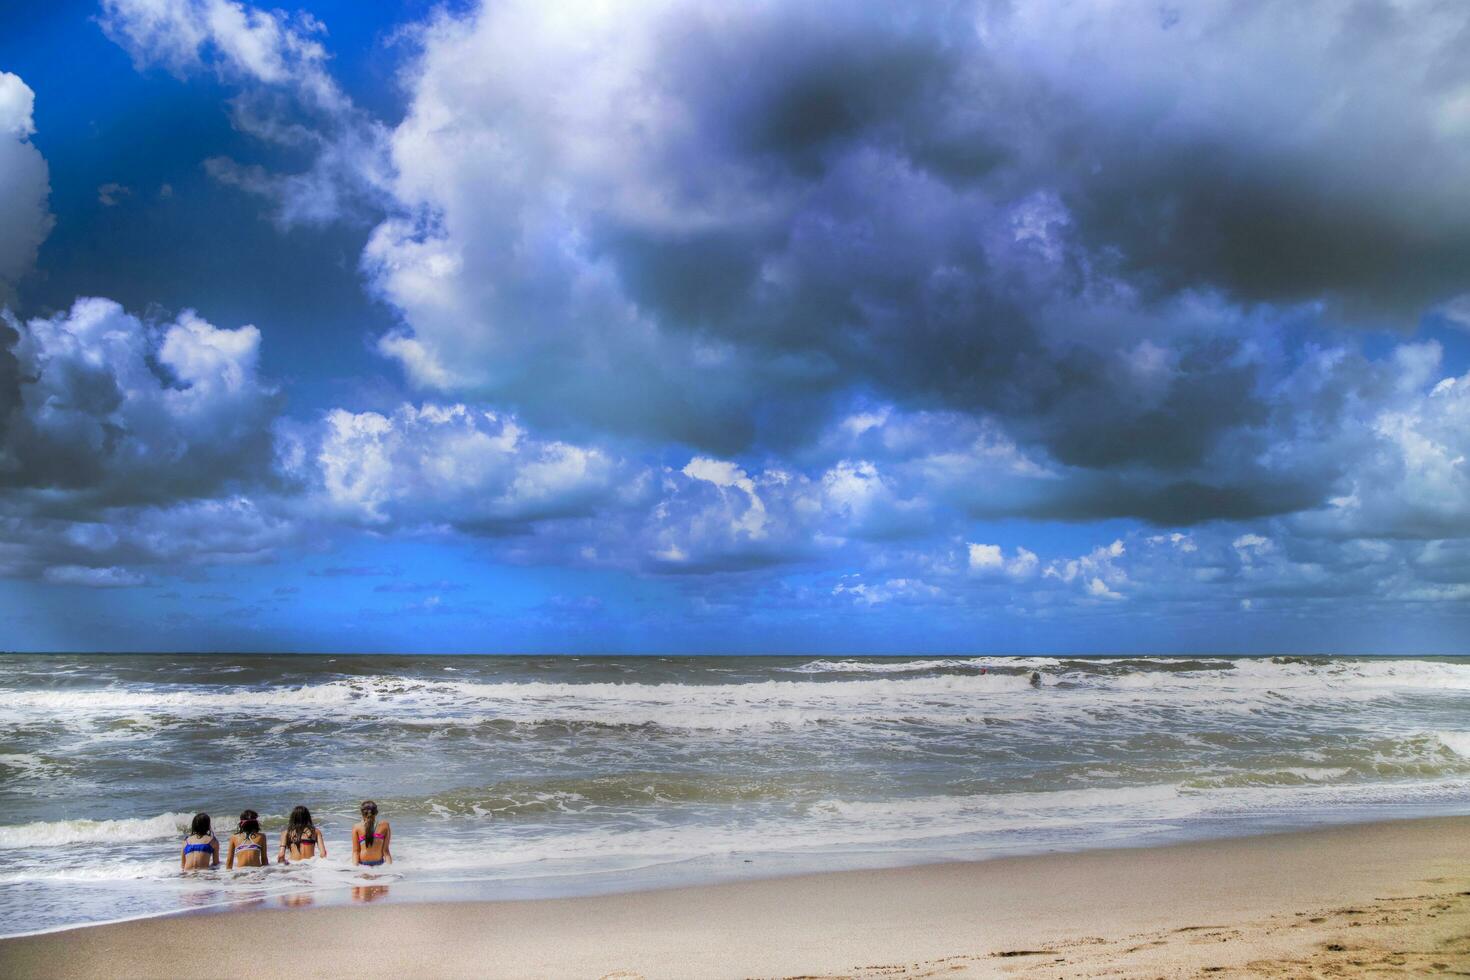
(538, 776)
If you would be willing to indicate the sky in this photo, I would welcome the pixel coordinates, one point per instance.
(773, 327)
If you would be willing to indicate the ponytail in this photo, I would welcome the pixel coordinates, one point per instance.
(369, 811)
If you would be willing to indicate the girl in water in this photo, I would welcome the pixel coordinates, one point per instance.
(372, 838)
(201, 847)
(247, 843)
(301, 840)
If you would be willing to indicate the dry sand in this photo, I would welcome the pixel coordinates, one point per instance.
(1387, 899)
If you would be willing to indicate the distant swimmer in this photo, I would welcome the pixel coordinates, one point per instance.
(1036, 678)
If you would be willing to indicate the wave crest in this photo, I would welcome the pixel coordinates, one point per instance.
(50, 833)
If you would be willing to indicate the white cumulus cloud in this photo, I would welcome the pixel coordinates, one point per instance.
(25, 185)
(451, 465)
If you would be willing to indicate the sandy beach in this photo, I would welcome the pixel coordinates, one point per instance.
(1384, 898)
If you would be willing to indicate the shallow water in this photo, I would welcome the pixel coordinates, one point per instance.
(516, 776)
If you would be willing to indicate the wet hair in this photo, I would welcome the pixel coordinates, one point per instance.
(249, 823)
(199, 827)
(298, 824)
(369, 811)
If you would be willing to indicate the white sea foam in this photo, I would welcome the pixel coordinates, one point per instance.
(951, 698)
(981, 823)
(678, 705)
(1315, 774)
(1456, 742)
(919, 666)
(1244, 685)
(27, 765)
(52, 833)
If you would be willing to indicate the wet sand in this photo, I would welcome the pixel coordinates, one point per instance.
(1375, 899)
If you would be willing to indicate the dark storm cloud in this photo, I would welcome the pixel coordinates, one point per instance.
(730, 219)
(1319, 165)
(1173, 504)
(1181, 202)
(128, 444)
(107, 411)
(117, 545)
(10, 378)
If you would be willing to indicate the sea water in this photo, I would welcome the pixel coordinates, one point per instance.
(536, 776)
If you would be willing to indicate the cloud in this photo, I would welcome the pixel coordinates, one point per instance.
(1216, 572)
(989, 559)
(127, 444)
(939, 207)
(287, 100)
(239, 42)
(612, 234)
(870, 505)
(1201, 165)
(439, 586)
(802, 298)
(17, 103)
(713, 516)
(879, 483)
(1410, 474)
(93, 578)
(134, 446)
(721, 473)
(142, 540)
(25, 187)
(894, 590)
(1099, 574)
(108, 410)
(450, 465)
(111, 194)
(631, 236)
(357, 571)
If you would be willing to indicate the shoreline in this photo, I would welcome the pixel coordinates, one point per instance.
(960, 918)
(412, 891)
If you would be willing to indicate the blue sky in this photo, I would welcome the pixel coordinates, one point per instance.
(783, 327)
